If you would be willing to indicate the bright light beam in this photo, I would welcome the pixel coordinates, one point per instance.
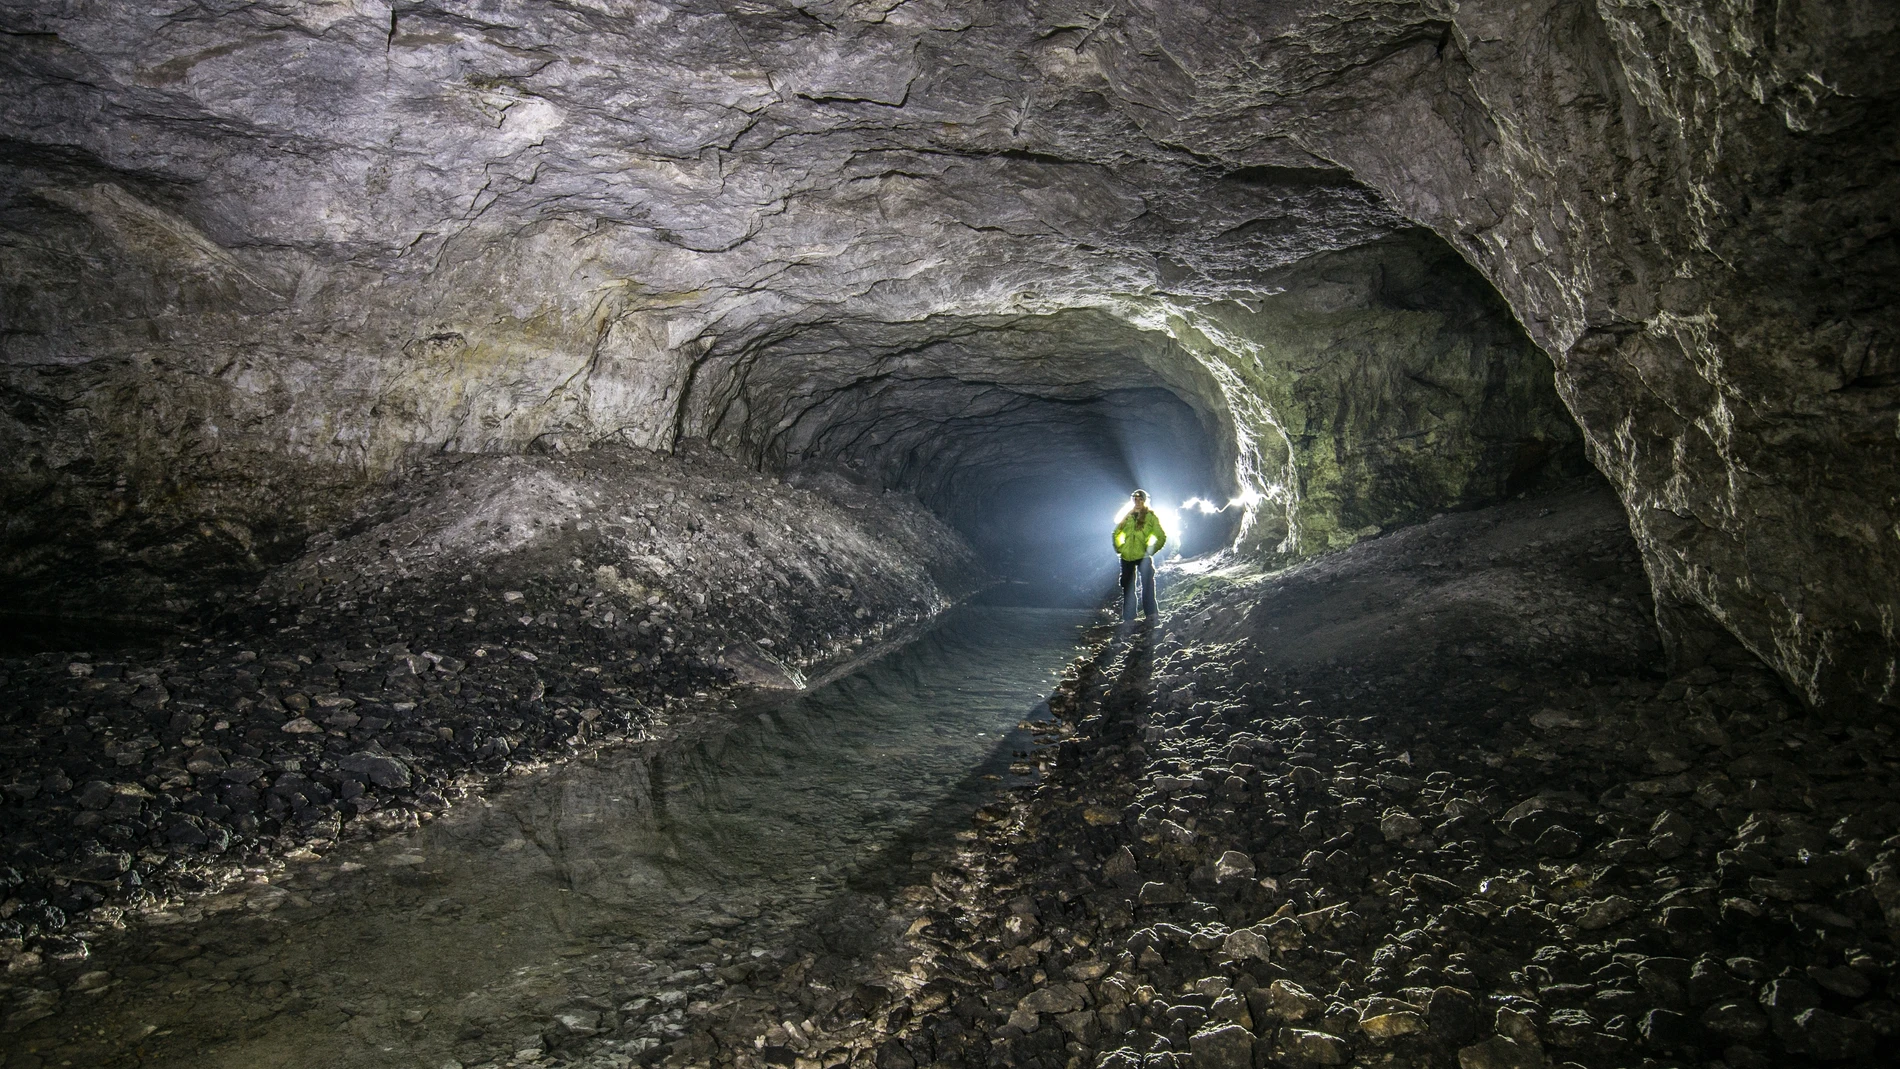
(1208, 508)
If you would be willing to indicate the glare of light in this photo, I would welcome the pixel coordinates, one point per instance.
(1247, 499)
(1170, 523)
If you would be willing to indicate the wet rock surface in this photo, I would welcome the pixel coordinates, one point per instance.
(483, 619)
(1335, 843)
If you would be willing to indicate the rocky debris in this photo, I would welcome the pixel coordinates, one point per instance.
(1717, 904)
(501, 612)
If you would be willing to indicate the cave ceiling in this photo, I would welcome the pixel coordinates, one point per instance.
(298, 238)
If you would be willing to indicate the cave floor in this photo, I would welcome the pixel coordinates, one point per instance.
(482, 618)
(1427, 802)
(631, 883)
(1431, 800)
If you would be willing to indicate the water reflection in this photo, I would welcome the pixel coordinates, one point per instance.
(598, 898)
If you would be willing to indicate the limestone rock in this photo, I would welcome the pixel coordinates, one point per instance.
(1233, 865)
(382, 770)
(1304, 1047)
(1830, 1037)
(1452, 1013)
(1605, 912)
(1227, 1047)
(1398, 824)
(1056, 998)
(1244, 943)
(1155, 893)
(1283, 1000)
(1392, 1025)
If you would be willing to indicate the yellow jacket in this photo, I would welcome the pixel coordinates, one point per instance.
(1136, 531)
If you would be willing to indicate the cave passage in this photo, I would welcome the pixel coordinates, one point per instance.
(398, 400)
(1024, 434)
(1036, 490)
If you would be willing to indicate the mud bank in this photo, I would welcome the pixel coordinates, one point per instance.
(487, 616)
(1428, 801)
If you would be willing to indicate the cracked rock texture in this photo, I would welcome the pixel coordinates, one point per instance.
(260, 256)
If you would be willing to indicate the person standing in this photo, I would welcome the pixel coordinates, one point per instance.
(1137, 538)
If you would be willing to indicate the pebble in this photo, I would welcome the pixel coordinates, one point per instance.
(1392, 1025)
(1288, 1001)
(1304, 1046)
(1247, 943)
(1156, 893)
(1499, 1052)
(1233, 865)
(1226, 1047)
(1605, 912)
(1397, 825)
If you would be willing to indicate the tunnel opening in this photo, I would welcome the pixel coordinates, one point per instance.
(1357, 391)
(1023, 433)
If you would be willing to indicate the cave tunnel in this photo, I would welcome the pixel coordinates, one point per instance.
(1025, 434)
(577, 534)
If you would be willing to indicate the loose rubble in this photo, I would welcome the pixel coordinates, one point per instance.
(1338, 843)
(497, 613)
(1426, 802)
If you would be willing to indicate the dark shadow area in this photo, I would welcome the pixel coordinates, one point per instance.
(27, 633)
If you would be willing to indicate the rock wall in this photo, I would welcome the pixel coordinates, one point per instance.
(262, 256)
(1690, 206)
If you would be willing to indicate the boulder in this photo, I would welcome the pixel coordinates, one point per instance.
(1226, 1047)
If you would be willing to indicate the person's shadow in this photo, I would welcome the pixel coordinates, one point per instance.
(1136, 673)
(1127, 662)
